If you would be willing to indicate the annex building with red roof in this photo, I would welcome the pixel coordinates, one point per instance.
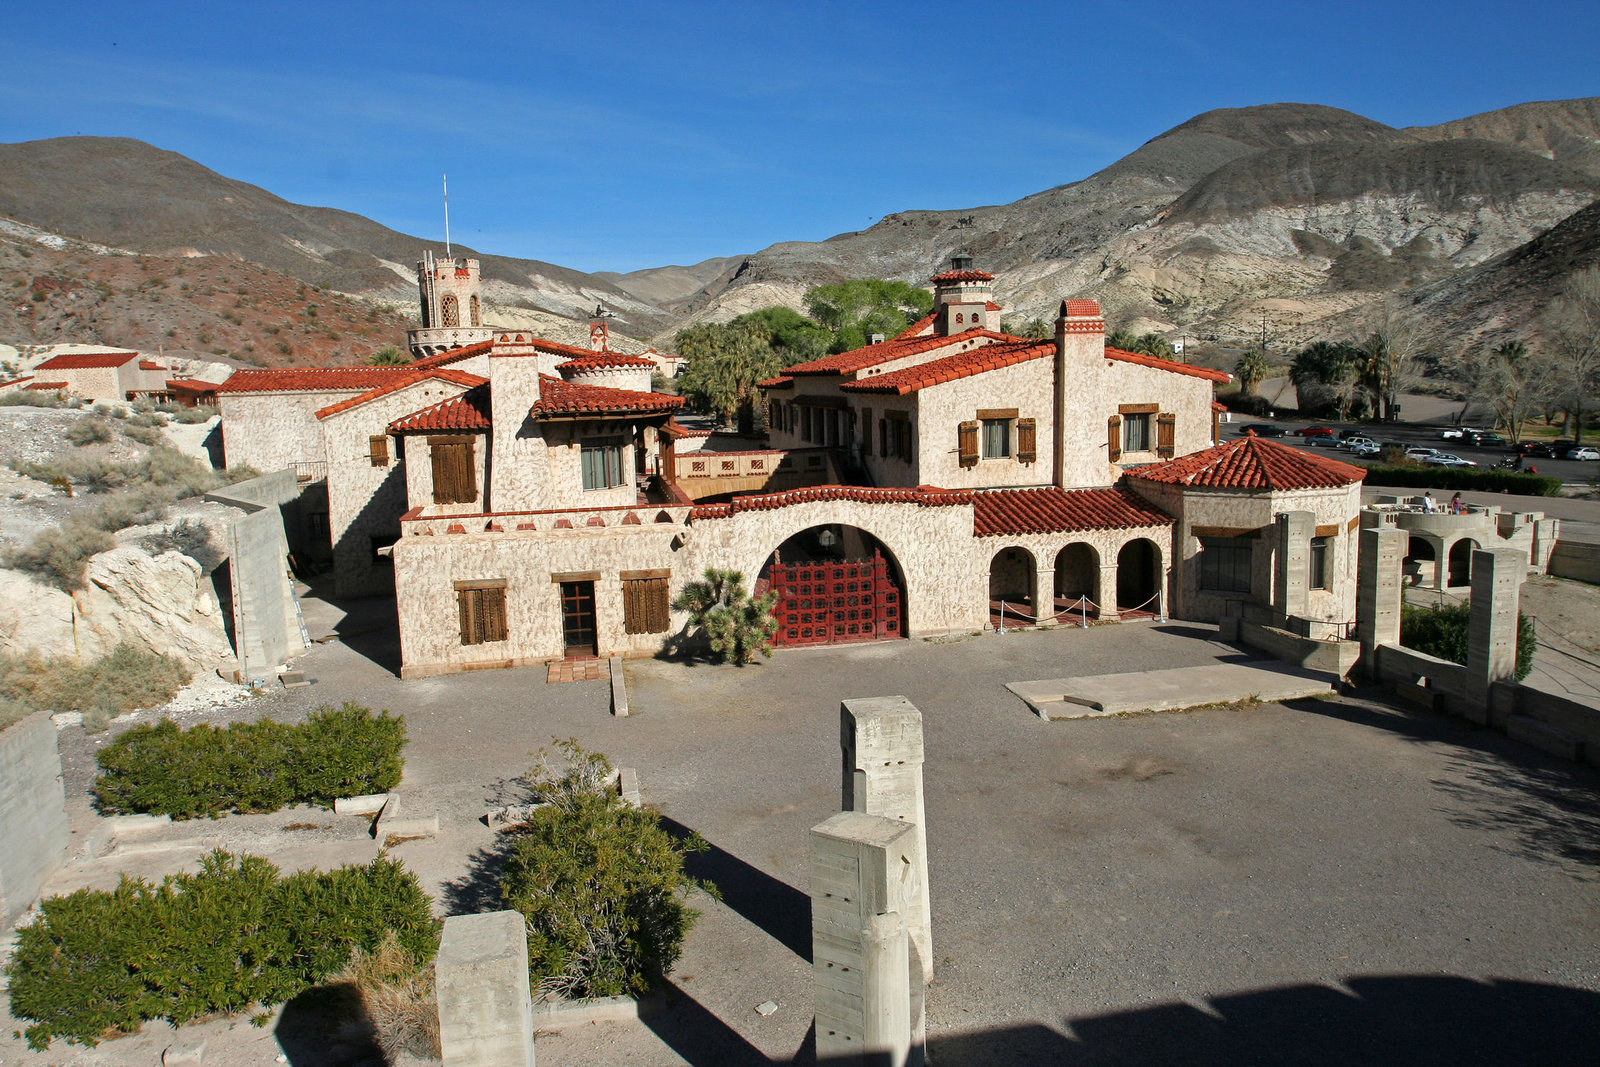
(95, 374)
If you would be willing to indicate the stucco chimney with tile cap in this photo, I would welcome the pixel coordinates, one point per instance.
(1080, 346)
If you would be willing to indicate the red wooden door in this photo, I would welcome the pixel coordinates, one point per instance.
(826, 603)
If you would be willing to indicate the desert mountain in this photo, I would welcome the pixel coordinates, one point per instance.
(1289, 217)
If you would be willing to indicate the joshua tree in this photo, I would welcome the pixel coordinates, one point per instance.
(737, 626)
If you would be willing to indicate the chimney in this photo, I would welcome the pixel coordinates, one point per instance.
(599, 335)
(1080, 350)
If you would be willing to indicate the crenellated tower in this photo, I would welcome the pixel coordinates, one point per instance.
(452, 305)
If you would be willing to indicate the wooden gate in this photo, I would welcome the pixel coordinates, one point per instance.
(827, 603)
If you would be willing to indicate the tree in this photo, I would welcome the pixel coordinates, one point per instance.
(1512, 382)
(724, 363)
(1327, 375)
(1393, 354)
(1575, 343)
(1035, 329)
(388, 356)
(792, 337)
(737, 626)
(1145, 344)
(855, 310)
(1251, 370)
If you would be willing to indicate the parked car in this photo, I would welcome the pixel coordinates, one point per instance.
(1451, 433)
(1262, 429)
(1420, 452)
(1354, 440)
(1351, 431)
(1583, 452)
(1314, 431)
(1445, 459)
(1485, 439)
(1535, 448)
(1363, 447)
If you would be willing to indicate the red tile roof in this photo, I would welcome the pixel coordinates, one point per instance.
(870, 356)
(1003, 512)
(557, 397)
(1081, 309)
(961, 365)
(410, 377)
(189, 385)
(1168, 364)
(145, 364)
(310, 380)
(1252, 463)
(87, 360)
(925, 496)
(992, 306)
(453, 355)
(16, 381)
(917, 328)
(513, 337)
(782, 381)
(46, 386)
(603, 360)
(469, 411)
(963, 276)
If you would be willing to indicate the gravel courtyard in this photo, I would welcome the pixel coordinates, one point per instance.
(1336, 881)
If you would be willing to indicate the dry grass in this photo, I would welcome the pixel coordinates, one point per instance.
(398, 998)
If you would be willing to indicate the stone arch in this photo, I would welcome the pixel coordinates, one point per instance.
(1077, 574)
(1013, 579)
(1421, 560)
(1139, 577)
(1460, 562)
(836, 583)
(449, 312)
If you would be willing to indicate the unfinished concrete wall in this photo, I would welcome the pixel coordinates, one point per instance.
(266, 618)
(1378, 588)
(1576, 560)
(33, 813)
(1492, 630)
(485, 1003)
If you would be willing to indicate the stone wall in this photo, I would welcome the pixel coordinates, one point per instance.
(942, 408)
(33, 813)
(269, 431)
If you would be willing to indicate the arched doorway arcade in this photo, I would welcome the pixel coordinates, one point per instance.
(836, 584)
(1077, 583)
(1460, 566)
(1139, 579)
(1012, 581)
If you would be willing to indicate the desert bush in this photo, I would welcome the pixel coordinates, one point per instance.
(1427, 476)
(126, 679)
(12, 712)
(234, 934)
(192, 539)
(1442, 631)
(737, 625)
(397, 995)
(198, 413)
(61, 556)
(88, 430)
(264, 765)
(163, 467)
(21, 398)
(600, 883)
(143, 405)
(145, 435)
(146, 417)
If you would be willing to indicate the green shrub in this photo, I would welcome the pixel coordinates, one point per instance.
(601, 885)
(1442, 631)
(232, 935)
(89, 430)
(1426, 476)
(125, 680)
(264, 765)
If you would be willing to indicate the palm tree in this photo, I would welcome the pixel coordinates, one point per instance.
(1251, 370)
(736, 626)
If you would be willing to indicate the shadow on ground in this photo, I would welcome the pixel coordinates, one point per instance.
(327, 1026)
(775, 906)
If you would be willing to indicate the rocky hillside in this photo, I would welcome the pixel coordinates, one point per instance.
(1294, 216)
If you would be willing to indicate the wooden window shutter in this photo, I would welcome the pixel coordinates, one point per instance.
(1216, 427)
(866, 431)
(482, 608)
(1165, 434)
(645, 608)
(1114, 438)
(967, 435)
(454, 480)
(883, 438)
(1027, 441)
(378, 449)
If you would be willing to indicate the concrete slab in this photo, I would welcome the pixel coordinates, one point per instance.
(1170, 690)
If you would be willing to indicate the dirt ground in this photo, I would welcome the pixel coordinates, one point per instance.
(1332, 881)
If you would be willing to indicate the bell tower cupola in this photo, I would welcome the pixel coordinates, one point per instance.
(963, 298)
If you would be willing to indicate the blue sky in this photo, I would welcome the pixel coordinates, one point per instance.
(615, 136)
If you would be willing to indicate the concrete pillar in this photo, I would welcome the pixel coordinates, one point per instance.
(880, 739)
(1292, 563)
(1497, 576)
(1379, 584)
(485, 1004)
(1108, 593)
(862, 875)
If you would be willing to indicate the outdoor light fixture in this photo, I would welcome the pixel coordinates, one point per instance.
(827, 538)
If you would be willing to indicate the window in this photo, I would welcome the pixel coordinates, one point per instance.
(866, 431)
(477, 313)
(602, 462)
(455, 479)
(482, 607)
(1320, 578)
(645, 607)
(1225, 564)
(378, 449)
(1136, 433)
(450, 312)
(996, 438)
(805, 423)
(895, 430)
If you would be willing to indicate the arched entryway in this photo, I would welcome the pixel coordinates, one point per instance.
(1139, 579)
(1011, 585)
(1460, 572)
(1420, 562)
(1077, 583)
(836, 584)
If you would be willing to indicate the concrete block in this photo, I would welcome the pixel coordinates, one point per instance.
(485, 1003)
(34, 833)
(366, 804)
(132, 825)
(294, 679)
(619, 689)
(63, 719)
(628, 786)
(553, 1013)
(1545, 737)
(390, 823)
